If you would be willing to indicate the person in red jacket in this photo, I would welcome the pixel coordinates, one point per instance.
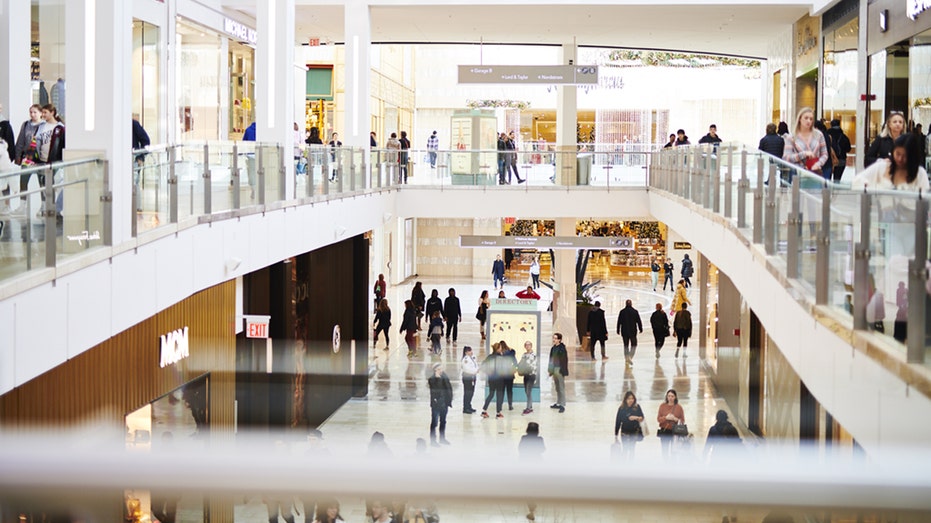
(528, 294)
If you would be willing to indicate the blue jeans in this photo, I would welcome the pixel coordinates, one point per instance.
(432, 158)
(438, 414)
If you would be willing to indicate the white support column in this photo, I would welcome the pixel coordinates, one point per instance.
(358, 121)
(98, 54)
(274, 73)
(15, 92)
(566, 119)
(564, 302)
(863, 85)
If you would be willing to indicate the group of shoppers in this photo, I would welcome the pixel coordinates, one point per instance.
(894, 160)
(40, 141)
(507, 159)
(443, 317)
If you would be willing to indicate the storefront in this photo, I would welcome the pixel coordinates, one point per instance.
(807, 65)
(47, 54)
(839, 91)
(899, 45)
(165, 382)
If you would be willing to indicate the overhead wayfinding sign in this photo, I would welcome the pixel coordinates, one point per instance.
(622, 243)
(528, 74)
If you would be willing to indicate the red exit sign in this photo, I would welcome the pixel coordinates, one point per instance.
(257, 326)
(313, 42)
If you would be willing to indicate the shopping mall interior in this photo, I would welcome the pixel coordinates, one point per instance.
(214, 315)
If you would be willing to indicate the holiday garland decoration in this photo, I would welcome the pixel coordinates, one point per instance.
(667, 59)
(507, 104)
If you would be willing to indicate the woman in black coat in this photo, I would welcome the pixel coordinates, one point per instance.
(419, 299)
(597, 329)
(382, 322)
(409, 326)
(882, 145)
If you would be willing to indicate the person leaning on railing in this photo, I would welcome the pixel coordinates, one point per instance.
(903, 170)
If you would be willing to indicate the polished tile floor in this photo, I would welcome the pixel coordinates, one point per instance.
(398, 404)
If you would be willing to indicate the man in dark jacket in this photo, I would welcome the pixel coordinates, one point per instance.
(597, 329)
(453, 315)
(559, 369)
(628, 324)
(502, 158)
(772, 143)
(660, 323)
(497, 271)
(841, 145)
(669, 274)
(441, 399)
(712, 137)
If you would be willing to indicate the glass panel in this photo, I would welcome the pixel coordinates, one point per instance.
(809, 229)
(151, 170)
(221, 176)
(892, 245)
(845, 220)
(146, 67)
(877, 88)
(77, 201)
(271, 165)
(22, 238)
(189, 170)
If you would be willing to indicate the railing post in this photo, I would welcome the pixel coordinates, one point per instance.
(260, 173)
(822, 262)
(794, 222)
(352, 168)
(771, 218)
(716, 182)
(49, 210)
(861, 265)
(208, 193)
(106, 200)
(758, 203)
(282, 173)
(917, 281)
(235, 178)
(327, 171)
(742, 187)
(172, 186)
(309, 186)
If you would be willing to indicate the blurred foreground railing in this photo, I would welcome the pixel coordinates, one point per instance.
(255, 480)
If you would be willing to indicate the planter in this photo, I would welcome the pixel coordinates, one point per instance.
(581, 318)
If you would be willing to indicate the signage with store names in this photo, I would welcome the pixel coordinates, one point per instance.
(529, 74)
(240, 31)
(913, 8)
(548, 242)
(683, 246)
(513, 304)
(174, 347)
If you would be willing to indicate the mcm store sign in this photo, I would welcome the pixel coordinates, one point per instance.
(913, 8)
(174, 347)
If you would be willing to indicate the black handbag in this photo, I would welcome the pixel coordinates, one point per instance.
(681, 429)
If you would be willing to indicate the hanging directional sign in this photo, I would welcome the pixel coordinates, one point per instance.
(528, 74)
(548, 242)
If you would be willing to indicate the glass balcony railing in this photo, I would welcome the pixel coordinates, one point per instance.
(858, 254)
(53, 213)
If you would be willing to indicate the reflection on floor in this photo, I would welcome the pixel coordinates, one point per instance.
(398, 404)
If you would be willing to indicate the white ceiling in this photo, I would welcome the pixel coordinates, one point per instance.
(730, 27)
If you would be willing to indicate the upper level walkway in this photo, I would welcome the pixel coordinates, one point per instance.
(721, 202)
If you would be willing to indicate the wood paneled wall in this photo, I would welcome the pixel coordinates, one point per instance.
(122, 374)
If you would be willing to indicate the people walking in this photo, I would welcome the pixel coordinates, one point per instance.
(527, 369)
(628, 325)
(772, 143)
(497, 271)
(559, 369)
(654, 272)
(436, 332)
(806, 147)
(482, 313)
(683, 326)
(507, 373)
(627, 424)
(404, 157)
(502, 149)
(409, 327)
(495, 368)
(670, 414)
(419, 299)
(687, 270)
(680, 297)
(841, 144)
(597, 329)
(882, 146)
(453, 312)
(660, 323)
(535, 273)
(441, 399)
(510, 159)
(382, 323)
(469, 372)
(433, 145)
(380, 289)
(669, 275)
